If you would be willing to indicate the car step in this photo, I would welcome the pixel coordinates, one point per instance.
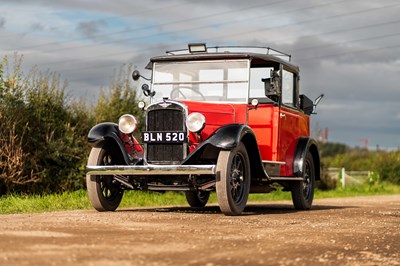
(285, 178)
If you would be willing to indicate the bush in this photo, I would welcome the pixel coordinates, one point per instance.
(388, 166)
(120, 98)
(384, 164)
(41, 134)
(13, 156)
(326, 182)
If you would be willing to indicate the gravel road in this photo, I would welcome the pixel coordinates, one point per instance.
(344, 231)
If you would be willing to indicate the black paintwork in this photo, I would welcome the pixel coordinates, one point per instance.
(303, 146)
(105, 133)
(226, 138)
(306, 104)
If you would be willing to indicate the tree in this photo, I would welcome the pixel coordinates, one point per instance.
(120, 98)
(43, 147)
(43, 133)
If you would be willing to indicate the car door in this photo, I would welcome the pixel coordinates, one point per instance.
(263, 119)
(289, 116)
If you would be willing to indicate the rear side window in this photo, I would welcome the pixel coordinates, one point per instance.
(288, 88)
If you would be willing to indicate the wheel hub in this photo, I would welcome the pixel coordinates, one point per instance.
(237, 177)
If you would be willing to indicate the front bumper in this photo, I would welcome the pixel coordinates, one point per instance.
(151, 170)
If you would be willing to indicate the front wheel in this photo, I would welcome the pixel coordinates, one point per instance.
(105, 194)
(197, 198)
(303, 191)
(233, 180)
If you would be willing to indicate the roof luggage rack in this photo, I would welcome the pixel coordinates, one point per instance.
(202, 48)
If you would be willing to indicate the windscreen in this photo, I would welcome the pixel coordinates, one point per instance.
(211, 81)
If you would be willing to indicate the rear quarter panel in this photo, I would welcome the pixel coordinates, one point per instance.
(293, 125)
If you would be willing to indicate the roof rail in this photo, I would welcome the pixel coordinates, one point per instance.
(218, 49)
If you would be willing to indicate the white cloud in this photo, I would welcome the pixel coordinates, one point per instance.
(336, 44)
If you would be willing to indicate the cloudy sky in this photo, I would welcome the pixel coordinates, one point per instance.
(347, 49)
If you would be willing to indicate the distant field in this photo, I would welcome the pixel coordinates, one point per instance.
(78, 200)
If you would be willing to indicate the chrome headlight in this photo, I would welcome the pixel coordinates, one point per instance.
(127, 124)
(195, 122)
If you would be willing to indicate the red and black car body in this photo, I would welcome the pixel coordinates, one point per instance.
(230, 122)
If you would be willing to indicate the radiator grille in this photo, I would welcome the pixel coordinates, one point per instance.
(164, 153)
(165, 119)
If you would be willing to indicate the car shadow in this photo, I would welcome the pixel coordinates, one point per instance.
(251, 209)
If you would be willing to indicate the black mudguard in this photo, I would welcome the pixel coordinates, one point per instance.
(227, 138)
(104, 133)
(303, 146)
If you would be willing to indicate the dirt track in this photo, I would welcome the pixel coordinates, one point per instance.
(347, 231)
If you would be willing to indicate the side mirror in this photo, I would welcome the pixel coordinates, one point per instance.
(306, 104)
(271, 85)
(316, 102)
(268, 87)
(136, 75)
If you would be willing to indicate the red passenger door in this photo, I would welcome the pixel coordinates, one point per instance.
(289, 122)
(264, 122)
(288, 136)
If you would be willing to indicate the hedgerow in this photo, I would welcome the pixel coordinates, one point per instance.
(43, 133)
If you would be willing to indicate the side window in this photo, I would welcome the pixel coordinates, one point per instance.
(288, 87)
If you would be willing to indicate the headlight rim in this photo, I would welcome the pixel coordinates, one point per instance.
(133, 119)
(200, 118)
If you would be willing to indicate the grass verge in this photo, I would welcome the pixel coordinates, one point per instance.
(78, 200)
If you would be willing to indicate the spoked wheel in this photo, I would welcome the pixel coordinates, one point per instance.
(197, 198)
(105, 194)
(233, 180)
(303, 191)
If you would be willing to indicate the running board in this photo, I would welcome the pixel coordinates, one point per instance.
(273, 168)
(204, 187)
(167, 187)
(285, 178)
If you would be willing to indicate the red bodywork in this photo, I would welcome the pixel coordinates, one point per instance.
(277, 129)
(132, 146)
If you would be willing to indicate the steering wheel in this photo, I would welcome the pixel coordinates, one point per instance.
(178, 91)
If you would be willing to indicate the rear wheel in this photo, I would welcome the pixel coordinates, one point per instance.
(197, 198)
(303, 191)
(105, 194)
(233, 180)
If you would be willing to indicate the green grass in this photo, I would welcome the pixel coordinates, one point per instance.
(78, 200)
(36, 203)
(352, 191)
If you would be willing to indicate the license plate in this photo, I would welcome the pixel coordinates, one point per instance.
(164, 137)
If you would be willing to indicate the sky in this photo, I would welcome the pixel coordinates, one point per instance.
(347, 49)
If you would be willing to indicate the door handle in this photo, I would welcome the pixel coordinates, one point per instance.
(282, 115)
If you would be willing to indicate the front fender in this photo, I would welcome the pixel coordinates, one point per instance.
(227, 138)
(224, 138)
(107, 133)
(303, 146)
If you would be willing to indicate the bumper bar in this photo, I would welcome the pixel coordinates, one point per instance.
(151, 170)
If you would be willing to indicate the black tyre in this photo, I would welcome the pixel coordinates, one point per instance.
(105, 194)
(303, 191)
(197, 198)
(233, 180)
